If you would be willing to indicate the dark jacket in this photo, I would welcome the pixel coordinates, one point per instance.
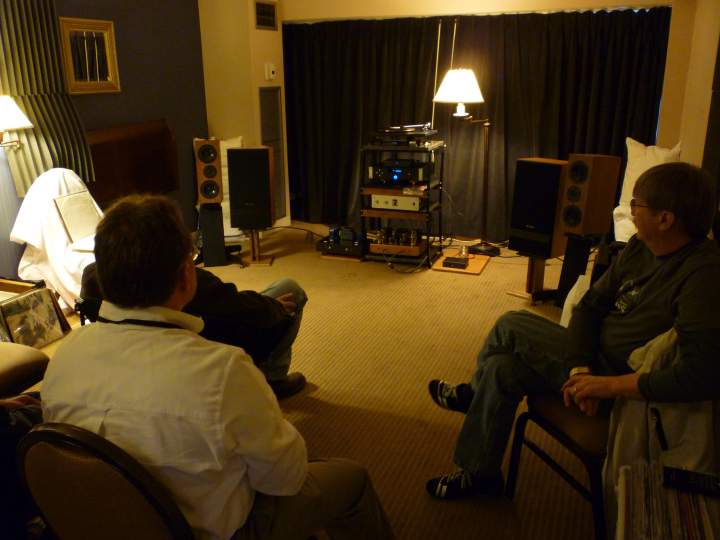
(246, 319)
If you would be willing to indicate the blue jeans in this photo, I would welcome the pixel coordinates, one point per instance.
(277, 365)
(522, 354)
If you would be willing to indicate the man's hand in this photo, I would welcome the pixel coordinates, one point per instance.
(588, 406)
(288, 302)
(587, 390)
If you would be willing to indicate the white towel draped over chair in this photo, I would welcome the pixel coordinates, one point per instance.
(49, 254)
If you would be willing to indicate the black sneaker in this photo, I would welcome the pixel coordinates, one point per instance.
(289, 386)
(450, 396)
(462, 484)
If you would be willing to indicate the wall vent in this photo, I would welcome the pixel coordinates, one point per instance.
(265, 16)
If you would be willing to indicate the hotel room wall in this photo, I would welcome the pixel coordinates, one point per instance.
(160, 64)
(234, 56)
(694, 29)
(702, 37)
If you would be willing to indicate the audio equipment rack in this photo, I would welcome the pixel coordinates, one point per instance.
(401, 201)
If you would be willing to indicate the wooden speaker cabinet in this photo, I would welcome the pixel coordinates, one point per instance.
(207, 170)
(587, 195)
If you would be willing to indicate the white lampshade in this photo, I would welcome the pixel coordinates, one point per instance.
(459, 86)
(11, 117)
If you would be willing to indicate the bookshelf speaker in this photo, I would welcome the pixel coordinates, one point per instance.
(250, 174)
(207, 170)
(587, 195)
(534, 207)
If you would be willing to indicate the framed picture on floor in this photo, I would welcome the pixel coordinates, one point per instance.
(34, 318)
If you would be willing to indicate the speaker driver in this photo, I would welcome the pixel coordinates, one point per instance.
(209, 189)
(210, 171)
(207, 153)
(579, 171)
(572, 215)
(573, 193)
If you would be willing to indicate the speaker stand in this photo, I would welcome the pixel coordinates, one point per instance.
(534, 279)
(255, 258)
(577, 254)
(213, 234)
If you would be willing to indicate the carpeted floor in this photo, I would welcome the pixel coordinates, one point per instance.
(371, 339)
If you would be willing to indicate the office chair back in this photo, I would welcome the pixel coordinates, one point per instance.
(86, 488)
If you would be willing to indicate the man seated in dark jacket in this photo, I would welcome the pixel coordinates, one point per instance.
(264, 324)
(666, 277)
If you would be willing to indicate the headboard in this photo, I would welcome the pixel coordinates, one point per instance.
(132, 158)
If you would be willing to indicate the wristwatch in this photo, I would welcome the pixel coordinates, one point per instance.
(580, 370)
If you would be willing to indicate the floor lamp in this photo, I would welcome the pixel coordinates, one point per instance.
(460, 86)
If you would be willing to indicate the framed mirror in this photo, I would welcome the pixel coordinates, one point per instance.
(89, 57)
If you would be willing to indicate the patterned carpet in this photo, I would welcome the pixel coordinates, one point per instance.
(371, 339)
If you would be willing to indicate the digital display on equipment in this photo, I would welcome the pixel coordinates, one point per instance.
(399, 172)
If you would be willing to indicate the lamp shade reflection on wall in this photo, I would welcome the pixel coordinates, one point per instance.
(11, 118)
(459, 86)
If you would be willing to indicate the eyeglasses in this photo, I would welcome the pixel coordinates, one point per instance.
(635, 204)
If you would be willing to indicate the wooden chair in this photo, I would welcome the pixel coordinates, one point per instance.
(86, 487)
(585, 436)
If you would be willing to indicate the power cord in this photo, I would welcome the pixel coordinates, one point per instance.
(391, 265)
(313, 233)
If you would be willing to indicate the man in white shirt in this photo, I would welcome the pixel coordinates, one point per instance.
(196, 413)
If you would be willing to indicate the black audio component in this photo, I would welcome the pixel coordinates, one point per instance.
(346, 236)
(406, 135)
(455, 262)
(399, 172)
(341, 241)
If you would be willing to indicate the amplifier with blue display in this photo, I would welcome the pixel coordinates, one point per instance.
(399, 172)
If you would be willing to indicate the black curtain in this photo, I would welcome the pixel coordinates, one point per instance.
(553, 84)
(343, 81)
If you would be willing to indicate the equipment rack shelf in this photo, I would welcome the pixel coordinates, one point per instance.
(427, 190)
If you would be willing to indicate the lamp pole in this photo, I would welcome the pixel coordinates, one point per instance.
(484, 248)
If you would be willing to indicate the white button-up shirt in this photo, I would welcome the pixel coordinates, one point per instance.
(196, 413)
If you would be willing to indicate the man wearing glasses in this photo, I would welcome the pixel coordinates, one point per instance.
(666, 277)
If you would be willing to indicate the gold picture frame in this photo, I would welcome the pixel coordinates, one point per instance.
(89, 58)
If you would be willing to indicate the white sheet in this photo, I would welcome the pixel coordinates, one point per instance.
(48, 253)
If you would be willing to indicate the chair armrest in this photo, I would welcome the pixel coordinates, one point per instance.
(20, 368)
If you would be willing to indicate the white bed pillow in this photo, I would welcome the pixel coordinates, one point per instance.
(225, 145)
(640, 159)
